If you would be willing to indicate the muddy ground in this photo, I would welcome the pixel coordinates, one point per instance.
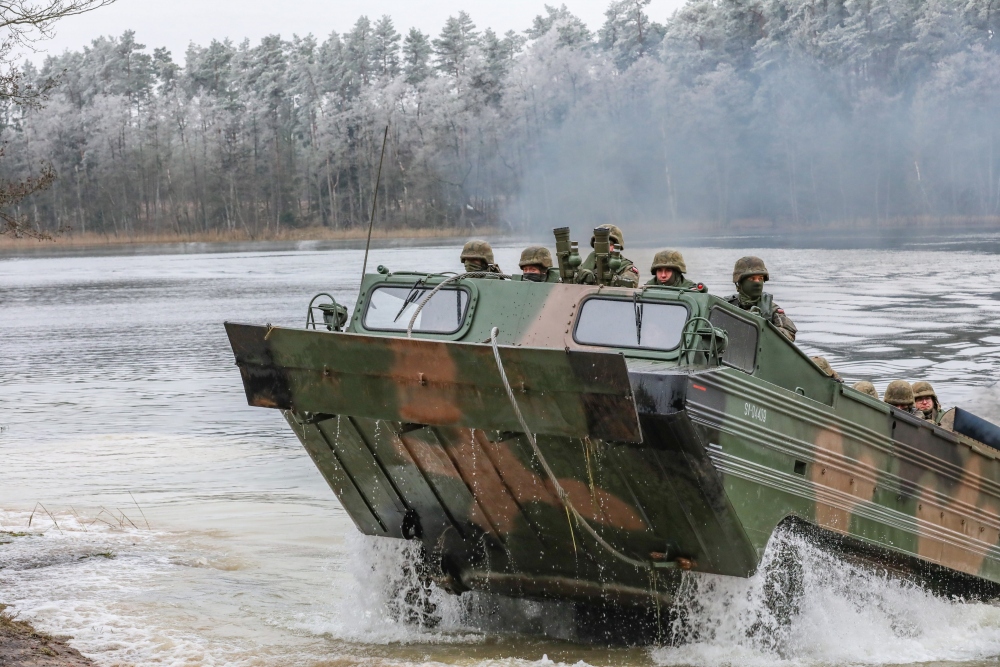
(23, 646)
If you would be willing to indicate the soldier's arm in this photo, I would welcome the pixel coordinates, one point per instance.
(627, 277)
(784, 323)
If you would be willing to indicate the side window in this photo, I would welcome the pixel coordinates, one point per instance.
(390, 309)
(618, 323)
(741, 352)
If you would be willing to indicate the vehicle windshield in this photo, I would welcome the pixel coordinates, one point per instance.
(638, 324)
(390, 309)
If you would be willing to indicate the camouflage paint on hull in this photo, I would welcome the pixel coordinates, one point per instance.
(671, 456)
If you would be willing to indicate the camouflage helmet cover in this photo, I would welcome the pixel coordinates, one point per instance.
(615, 235)
(749, 266)
(866, 387)
(899, 392)
(825, 366)
(536, 254)
(922, 389)
(668, 259)
(477, 250)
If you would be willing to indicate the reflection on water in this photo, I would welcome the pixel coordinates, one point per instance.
(117, 379)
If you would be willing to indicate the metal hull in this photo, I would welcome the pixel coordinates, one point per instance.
(708, 463)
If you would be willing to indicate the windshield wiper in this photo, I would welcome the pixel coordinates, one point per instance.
(410, 298)
(637, 305)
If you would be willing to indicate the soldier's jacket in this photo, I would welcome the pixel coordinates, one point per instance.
(769, 310)
(627, 276)
(684, 284)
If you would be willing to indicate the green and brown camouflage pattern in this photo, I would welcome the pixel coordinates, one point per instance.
(677, 458)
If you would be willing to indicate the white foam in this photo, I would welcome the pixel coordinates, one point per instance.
(849, 614)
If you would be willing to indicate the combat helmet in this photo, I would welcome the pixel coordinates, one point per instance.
(477, 250)
(615, 236)
(866, 387)
(924, 388)
(899, 393)
(536, 254)
(825, 366)
(749, 266)
(668, 259)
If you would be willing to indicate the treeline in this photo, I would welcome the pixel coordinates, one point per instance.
(797, 111)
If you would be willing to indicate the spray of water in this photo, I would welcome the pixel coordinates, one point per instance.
(391, 598)
(807, 606)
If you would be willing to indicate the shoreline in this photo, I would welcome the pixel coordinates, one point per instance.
(305, 234)
(21, 645)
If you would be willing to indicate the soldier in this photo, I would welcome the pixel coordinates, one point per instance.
(627, 275)
(899, 394)
(478, 257)
(668, 270)
(925, 400)
(866, 387)
(749, 275)
(825, 366)
(535, 264)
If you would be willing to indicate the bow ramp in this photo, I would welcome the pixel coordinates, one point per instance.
(432, 383)
(419, 440)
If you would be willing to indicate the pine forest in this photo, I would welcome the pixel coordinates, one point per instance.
(807, 113)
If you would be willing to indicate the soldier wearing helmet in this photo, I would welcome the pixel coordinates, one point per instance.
(749, 275)
(627, 275)
(899, 394)
(478, 257)
(825, 366)
(535, 263)
(668, 270)
(866, 387)
(925, 400)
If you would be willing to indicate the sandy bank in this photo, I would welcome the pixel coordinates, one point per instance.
(23, 646)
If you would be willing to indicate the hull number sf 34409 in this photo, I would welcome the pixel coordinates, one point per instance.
(755, 412)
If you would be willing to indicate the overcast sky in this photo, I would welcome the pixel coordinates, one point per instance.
(176, 23)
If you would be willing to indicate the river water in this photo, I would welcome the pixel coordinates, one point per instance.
(155, 518)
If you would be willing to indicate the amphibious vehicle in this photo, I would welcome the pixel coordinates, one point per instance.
(576, 441)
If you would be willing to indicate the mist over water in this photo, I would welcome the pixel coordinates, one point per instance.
(117, 378)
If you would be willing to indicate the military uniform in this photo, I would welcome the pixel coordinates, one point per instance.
(672, 259)
(626, 275)
(899, 394)
(477, 256)
(762, 305)
(923, 389)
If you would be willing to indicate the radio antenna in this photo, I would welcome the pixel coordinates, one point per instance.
(371, 222)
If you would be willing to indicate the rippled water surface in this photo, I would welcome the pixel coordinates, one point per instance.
(157, 519)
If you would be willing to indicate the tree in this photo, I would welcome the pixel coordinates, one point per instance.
(416, 56)
(385, 52)
(453, 47)
(573, 32)
(22, 24)
(628, 33)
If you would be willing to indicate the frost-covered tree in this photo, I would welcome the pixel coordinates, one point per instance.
(787, 111)
(385, 52)
(453, 47)
(417, 52)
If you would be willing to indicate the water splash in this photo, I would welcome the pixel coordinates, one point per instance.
(390, 599)
(847, 614)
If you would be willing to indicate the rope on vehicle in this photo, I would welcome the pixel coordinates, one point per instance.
(473, 274)
(563, 497)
